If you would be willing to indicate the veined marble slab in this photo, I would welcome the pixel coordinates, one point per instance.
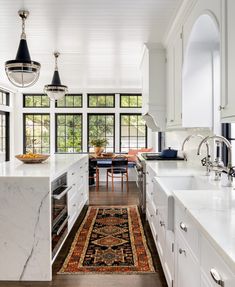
(25, 217)
(53, 167)
(214, 213)
(25, 224)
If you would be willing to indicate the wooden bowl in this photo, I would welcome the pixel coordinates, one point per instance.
(39, 158)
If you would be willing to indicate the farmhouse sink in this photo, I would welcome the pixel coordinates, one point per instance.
(163, 192)
(170, 183)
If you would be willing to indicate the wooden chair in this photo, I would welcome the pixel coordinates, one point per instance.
(119, 169)
(94, 172)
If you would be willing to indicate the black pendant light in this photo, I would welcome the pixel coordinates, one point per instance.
(22, 72)
(55, 90)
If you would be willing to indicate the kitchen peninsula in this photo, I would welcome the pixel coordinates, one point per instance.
(39, 204)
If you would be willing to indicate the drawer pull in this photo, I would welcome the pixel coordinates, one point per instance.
(156, 211)
(183, 227)
(73, 173)
(182, 251)
(151, 215)
(162, 223)
(216, 277)
(74, 204)
(221, 108)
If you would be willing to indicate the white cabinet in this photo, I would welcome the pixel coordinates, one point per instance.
(156, 210)
(228, 61)
(78, 194)
(187, 268)
(153, 69)
(197, 263)
(213, 267)
(174, 81)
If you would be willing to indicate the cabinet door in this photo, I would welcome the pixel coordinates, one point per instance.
(170, 87)
(204, 282)
(161, 238)
(228, 61)
(187, 270)
(178, 59)
(174, 81)
(169, 257)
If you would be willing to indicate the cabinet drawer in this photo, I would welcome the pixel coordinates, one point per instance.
(82, 178)
(73, 174)
(73, 203)
(187, 272)
(185, 226)
(152, 218)
(150, 205)
(212, 265)
(77, 172)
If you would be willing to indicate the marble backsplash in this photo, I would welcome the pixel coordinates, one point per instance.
(175, 139)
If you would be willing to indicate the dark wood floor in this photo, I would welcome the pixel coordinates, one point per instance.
(103, 197)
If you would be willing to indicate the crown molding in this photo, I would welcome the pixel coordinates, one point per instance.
(182, 12)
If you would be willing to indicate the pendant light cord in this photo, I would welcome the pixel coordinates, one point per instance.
(56, 54)
(23, 35)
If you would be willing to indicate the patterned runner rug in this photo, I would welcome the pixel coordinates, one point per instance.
(109, 240)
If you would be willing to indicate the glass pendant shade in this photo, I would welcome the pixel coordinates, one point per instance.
(22, 72)
(55, 90)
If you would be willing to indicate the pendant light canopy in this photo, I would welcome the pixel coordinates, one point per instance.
(22, 72)
(55, 90)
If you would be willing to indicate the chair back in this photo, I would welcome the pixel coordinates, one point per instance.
(92, 163)
(120, 162)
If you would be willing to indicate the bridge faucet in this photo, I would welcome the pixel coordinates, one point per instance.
(205, 161)
(218, 165)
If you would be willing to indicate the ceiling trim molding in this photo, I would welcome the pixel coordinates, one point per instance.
(182, 12)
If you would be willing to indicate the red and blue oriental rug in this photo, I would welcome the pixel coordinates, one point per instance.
(109, 240)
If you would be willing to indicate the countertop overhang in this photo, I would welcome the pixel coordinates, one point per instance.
(56, 165)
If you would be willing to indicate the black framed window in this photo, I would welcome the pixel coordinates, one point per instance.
(36, 133)
(133, 132)
(68, 129)
(101, 100)
(36, 101)
(4, 98)
(4, 136)
(130, 100)
(70, 101)
(102, 126)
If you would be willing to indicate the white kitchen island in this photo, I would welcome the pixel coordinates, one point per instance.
(26, 213)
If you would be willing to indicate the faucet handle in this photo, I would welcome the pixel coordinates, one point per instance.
(206, 161)
(231, 171)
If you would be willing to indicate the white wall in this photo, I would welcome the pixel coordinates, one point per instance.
(175, 139)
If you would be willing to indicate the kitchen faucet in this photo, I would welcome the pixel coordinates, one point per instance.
(218, 165)
(206, 160)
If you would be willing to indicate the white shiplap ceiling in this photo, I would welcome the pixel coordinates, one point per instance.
(100, 41)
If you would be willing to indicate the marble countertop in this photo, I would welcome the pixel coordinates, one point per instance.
(213, 211)
(54, 166)
(163, 168)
